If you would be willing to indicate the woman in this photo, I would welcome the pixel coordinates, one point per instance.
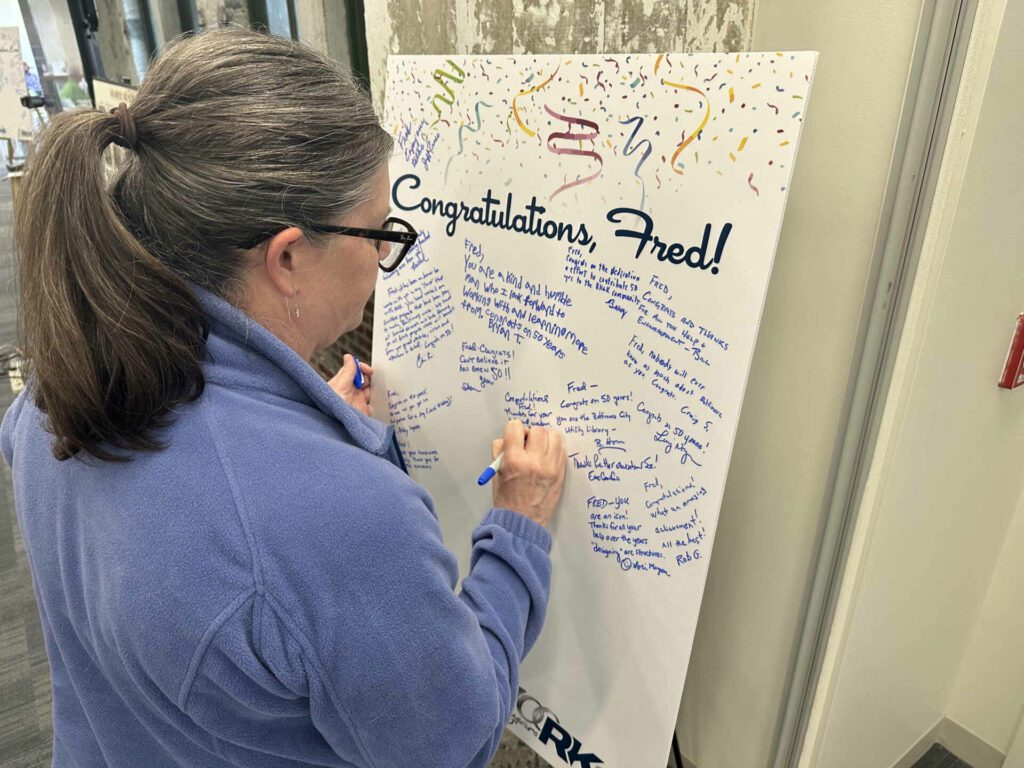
(230, 564)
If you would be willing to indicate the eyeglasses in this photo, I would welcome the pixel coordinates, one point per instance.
(392, 242)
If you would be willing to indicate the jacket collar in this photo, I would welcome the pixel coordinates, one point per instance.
(242, 354)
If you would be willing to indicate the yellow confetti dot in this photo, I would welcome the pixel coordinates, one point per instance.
(783, 143)
(731, 95)
(732, 157)
(743, 143)
(756, 85)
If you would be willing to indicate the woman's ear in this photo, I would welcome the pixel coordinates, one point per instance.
(280, 260)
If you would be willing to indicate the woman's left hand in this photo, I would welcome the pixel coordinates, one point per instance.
(343, 383)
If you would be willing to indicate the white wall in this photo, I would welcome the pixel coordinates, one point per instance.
(776, 490)
(988, 695)
(1015, 757)
(945, 480)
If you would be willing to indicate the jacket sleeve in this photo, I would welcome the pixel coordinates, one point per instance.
(9, 424)
(404, 669)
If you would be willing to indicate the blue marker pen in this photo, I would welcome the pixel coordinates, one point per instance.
(359, 374)
(491, 471)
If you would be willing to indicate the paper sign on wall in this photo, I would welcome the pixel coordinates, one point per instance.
(108, 95)
(596, 235)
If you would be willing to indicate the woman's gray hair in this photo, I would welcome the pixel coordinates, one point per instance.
(235, 133)
(241, 133)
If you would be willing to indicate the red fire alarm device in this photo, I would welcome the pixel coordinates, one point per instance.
(1013, 370)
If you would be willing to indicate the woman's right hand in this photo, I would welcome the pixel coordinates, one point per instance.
(532, 471)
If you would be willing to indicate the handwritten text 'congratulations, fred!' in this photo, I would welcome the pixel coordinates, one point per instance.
(531, 222)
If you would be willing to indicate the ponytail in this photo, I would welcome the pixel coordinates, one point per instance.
(233, 133)
(112, 337)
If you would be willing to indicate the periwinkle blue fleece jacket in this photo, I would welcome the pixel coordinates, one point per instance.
(271, 589)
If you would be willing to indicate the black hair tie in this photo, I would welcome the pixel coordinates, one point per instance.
(129, 137)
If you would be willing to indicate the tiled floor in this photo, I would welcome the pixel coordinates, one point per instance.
(940, 757)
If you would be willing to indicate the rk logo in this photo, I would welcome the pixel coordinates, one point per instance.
(567, 746)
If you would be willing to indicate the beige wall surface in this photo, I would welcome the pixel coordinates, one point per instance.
(793, 409)
(946, 477)
(1015, 757)
(988, 696)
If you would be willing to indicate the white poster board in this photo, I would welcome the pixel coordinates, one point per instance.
(596, 237)
(15, 119)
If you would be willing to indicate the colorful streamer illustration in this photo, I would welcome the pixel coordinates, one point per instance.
(463, 126)
(686, 140)
(439, 76)
(631, 148)
(515, 110)
(575, 137)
